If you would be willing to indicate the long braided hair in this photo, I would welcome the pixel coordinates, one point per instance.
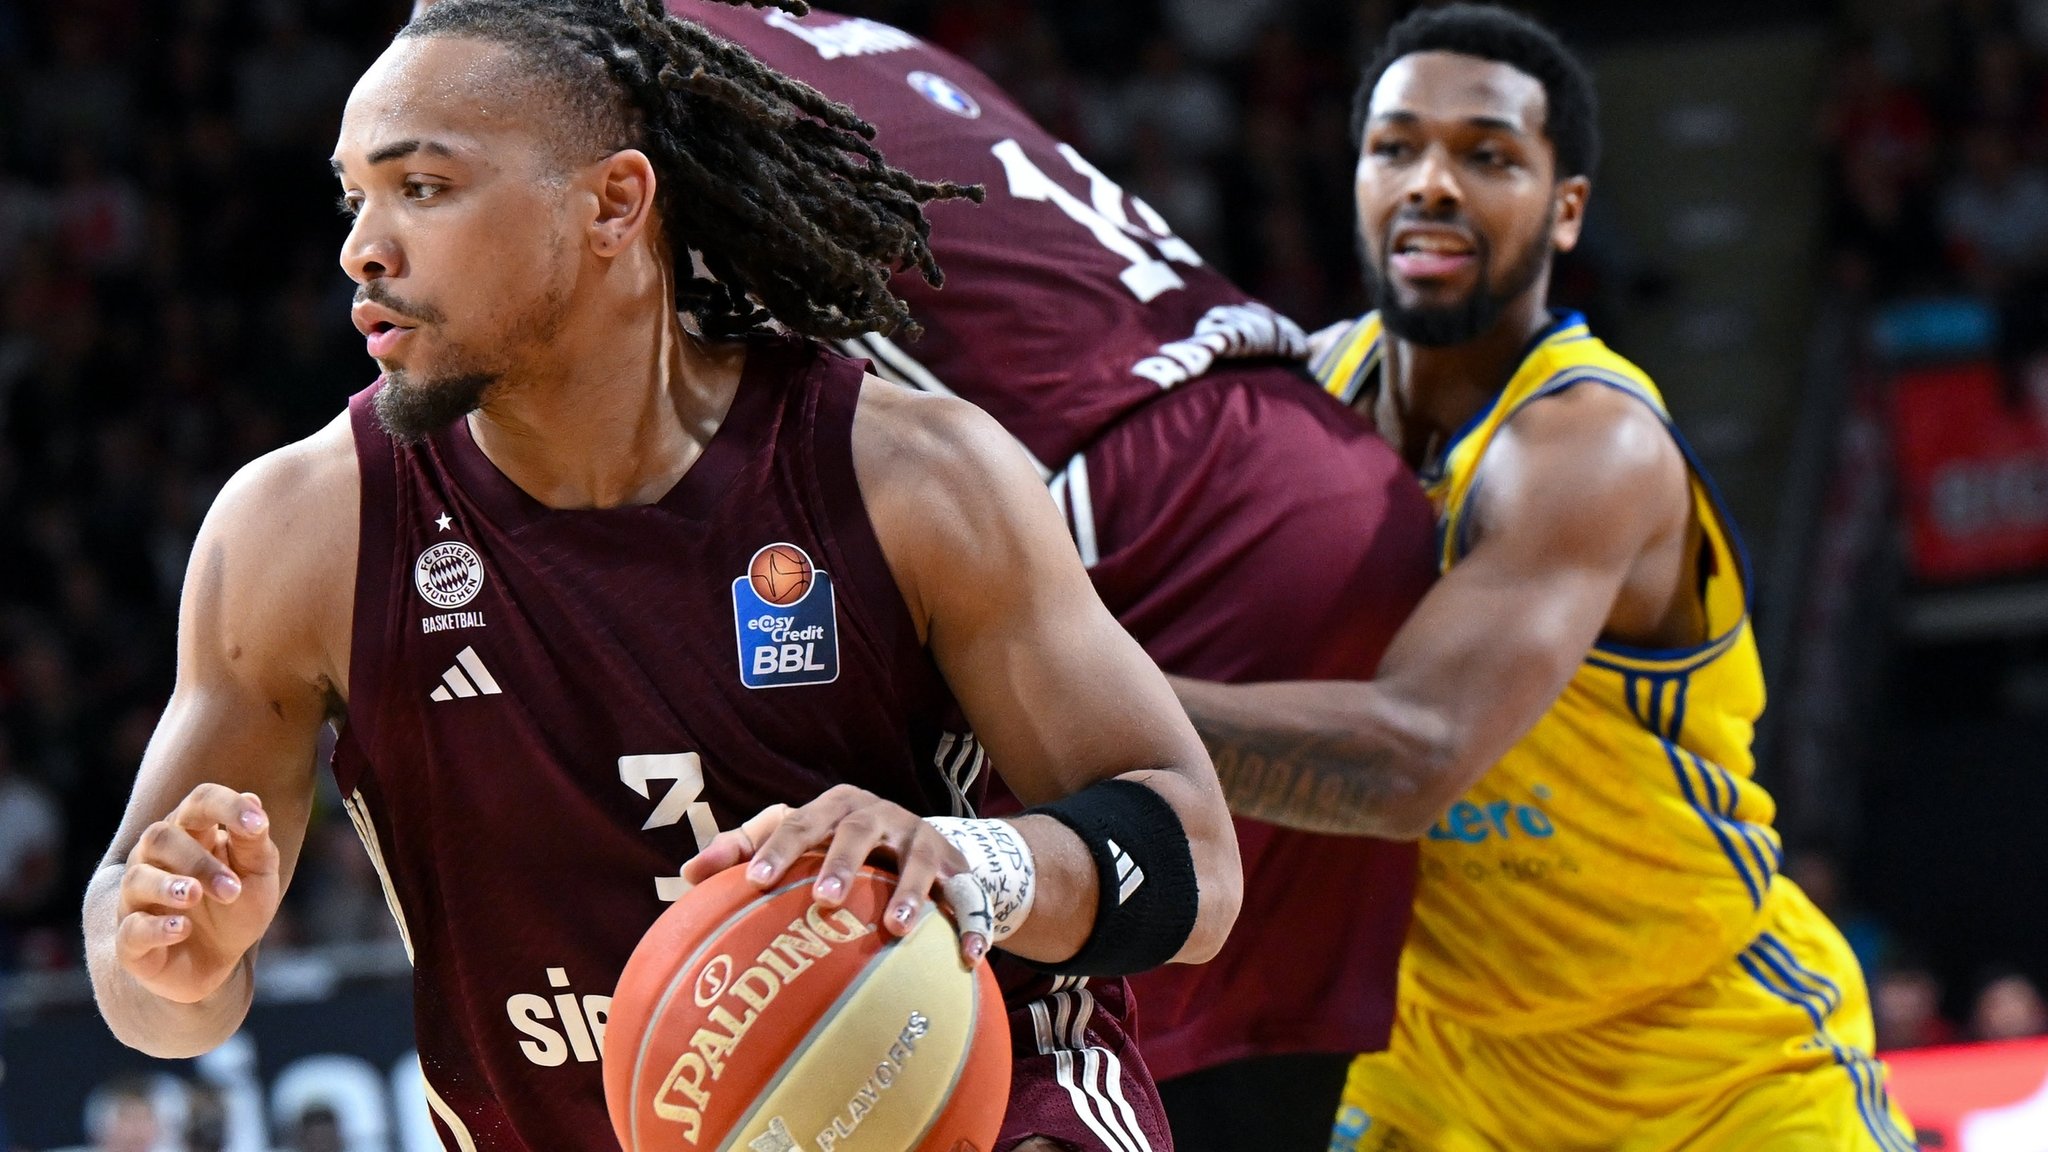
(778, 189)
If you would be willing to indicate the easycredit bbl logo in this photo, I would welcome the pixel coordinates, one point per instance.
(785, 616)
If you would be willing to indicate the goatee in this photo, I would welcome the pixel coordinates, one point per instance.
(412, 410)
(1444, 325)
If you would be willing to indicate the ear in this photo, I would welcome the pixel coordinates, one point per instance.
(625, 201)
(1571, 212)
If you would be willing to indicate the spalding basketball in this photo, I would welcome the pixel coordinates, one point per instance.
(756, 1021)
(781, 574)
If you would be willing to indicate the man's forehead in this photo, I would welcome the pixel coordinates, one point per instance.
(1454, 86)
(437, 85)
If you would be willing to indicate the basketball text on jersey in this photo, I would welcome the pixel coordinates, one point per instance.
(784, 616)
(1227, 332)
(847, 38)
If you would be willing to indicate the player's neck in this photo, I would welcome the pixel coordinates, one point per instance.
(615, 422)
(1437, 390)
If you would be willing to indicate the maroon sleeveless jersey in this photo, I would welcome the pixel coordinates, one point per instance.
(1067, 303)
(550, 711)
(1074, 316)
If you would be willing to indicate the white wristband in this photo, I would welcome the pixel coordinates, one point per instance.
(993, 896)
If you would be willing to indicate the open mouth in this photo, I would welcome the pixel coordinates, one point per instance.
(1428, 254)
(1428, 245)
(383, 336)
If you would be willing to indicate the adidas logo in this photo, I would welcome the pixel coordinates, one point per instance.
(477, 683)
(1128, 874)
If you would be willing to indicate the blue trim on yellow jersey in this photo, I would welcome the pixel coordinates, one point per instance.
(1829, 991)
(1754, 962)
(1560, 322)
(1873, 1103)
(1689, 656)
(1338, 350)
(1715, 822)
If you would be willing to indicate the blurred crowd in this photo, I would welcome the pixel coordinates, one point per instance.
(1936, 128)
(169, 308)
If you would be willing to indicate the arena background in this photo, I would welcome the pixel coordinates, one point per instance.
(1822, 226)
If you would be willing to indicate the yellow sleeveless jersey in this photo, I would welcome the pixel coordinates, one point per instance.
(1620, 850)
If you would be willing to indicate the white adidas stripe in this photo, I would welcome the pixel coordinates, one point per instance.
(1095, 1082)
(1128, 874)
(454, 684)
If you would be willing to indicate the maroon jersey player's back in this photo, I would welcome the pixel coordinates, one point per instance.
(549, 711)
(1239, 524)
(1067, 303)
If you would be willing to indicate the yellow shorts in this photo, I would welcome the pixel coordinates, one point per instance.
(1769, 1054)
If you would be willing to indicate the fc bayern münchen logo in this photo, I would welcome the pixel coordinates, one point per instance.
(449, 574)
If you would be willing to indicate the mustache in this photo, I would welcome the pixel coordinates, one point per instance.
(376, 293)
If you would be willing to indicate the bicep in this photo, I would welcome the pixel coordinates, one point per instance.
(1561, 520)
(1056, 690)
(252, 692)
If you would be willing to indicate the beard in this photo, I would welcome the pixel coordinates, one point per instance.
(1443, 325)
(412, 409)
(413, 406)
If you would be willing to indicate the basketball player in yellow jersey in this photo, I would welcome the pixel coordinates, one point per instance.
(1603, 955)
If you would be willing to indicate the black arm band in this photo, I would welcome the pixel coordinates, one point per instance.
(1146, 889)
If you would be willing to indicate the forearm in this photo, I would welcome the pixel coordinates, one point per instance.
(140, 1018)
(1064, 897)
(1068, 897)
(1338, 757)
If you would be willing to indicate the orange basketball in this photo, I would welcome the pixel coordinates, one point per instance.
(781, 574)
(756, 1021)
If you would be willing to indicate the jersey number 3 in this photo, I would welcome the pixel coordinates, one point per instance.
(1103, 215)
(687, 770)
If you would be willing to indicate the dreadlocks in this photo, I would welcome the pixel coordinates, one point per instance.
(778, 189)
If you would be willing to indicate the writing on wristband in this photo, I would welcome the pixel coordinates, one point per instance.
(1002, 866)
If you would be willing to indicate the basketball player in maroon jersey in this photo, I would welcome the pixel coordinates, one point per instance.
(508, 572)
(1241, 525)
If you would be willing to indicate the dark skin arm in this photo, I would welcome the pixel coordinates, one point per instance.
(1583, 521)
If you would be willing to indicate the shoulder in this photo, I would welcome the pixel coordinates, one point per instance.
(902, 436)
(302, 492)
(1602, 426)
(274, 563)
(948, 491)
(1590, 458)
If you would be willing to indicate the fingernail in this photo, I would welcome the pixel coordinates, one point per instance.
(761, 871)
(180, 889)
(902, 914)
(175, 924)
(976, 945)
(830, 888)
(253, 821)
(228, 887)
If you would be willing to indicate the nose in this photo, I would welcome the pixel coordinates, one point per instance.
(1432, 183)
(370, 252)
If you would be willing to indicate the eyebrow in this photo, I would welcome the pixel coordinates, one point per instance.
(1492, 123)
(397, 151)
